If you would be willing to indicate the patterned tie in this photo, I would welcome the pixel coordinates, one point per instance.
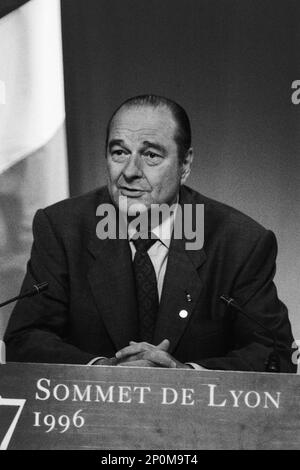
(146, 288)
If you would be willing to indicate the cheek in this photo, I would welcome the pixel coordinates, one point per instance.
(167, 180)
(113, 172)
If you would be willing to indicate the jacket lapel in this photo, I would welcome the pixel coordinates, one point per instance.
(181, 291)
(182, 285)
(112, 283)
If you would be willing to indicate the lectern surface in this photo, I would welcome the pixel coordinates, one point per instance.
(46, 406)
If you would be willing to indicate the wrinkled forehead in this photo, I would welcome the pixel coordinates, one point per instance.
(138, 122)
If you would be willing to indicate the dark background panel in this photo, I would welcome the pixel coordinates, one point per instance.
(230, 63)
(6, 6)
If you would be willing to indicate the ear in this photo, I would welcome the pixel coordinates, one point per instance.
(186, 165)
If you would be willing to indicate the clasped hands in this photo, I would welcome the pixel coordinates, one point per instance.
(146, 355)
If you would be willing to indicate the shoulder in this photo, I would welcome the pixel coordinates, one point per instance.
(226, 224)
(76, 205)
(73, 213)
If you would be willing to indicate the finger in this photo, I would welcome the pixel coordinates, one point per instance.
(133, 349)
(129, 350)
(164, 345)
(161, 358)
(134, 357)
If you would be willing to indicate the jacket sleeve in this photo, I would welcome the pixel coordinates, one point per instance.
(255, 292)
(36, 331)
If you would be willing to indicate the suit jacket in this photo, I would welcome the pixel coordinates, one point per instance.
(90, 307)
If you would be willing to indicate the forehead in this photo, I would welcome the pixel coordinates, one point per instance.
(143, 121)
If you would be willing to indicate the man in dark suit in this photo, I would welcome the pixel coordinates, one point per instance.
(94, 309)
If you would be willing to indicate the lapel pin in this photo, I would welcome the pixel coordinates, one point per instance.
(188, 297)
(183, 313)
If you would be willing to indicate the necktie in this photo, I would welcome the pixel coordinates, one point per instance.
(146, 288)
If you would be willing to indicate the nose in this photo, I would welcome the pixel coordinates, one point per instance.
(132, 168)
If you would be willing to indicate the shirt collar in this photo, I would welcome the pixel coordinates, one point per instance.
(164, 231)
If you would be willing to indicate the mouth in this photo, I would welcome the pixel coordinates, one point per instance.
(131, 192)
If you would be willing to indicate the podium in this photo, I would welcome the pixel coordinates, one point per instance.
(46, 406)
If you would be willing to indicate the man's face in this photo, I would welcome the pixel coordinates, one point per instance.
(142, 157)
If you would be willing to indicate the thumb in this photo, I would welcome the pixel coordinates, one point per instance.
(164, 345)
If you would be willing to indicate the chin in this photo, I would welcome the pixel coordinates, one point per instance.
(131, 206)
(135, 207)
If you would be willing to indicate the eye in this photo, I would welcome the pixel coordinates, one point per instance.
(152, 158)
(118, 154)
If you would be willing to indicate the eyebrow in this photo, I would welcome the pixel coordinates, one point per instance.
(116, 142)
(146, 143)
(155, 146)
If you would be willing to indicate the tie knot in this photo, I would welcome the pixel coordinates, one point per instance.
(143, 245)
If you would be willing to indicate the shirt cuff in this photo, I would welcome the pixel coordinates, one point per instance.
(95, 360)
